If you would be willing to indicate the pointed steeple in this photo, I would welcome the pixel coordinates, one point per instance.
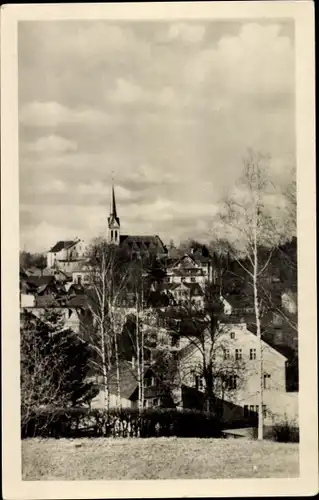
(113, 220)
(113, 203)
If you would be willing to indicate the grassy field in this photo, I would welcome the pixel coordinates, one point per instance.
(156, 458)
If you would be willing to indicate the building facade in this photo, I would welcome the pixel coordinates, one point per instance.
(65, 255)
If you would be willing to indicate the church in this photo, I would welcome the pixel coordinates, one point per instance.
(145, 245)
(69, 255)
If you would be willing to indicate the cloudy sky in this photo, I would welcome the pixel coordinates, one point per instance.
(171, 108)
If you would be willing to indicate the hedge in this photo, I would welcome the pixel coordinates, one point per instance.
(128, 422)
(285, 432)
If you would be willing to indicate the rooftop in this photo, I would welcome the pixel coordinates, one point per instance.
(60, 245)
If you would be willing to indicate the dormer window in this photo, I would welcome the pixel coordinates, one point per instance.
(232, 335)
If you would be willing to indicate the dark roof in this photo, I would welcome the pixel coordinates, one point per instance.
(39, 280)
(128, 380)
(75, 289)
(62, 244)
(142, 242)
(44, 301)
(76, 301)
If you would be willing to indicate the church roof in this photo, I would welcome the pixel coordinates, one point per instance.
(142, 242)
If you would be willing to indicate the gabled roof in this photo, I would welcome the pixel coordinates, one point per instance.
(141, 242)
(60, 245)
(128, 380)
(181, 261)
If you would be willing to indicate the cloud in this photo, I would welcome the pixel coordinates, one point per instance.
(126, 92)
(40, 237)
(259, 59)
(51, 144)
(192, 33)
(52, 114)
(171, 108)
(101, 189)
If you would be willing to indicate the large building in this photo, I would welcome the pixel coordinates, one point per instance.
(65, 255)
(134, 244)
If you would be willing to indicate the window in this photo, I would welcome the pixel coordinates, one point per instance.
(267, 378)
(232, 382)
(238, 354)
(226, 354)
(111, 235)
(145, 403)
(156, 402)
(252, 354)
(246, 411)
(79, 280)
(193, 279)
(199, 383)
(232, 335)
(255, 409)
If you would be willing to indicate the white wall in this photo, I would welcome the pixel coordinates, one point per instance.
(27, 300)
(98, 401)
(249, 382)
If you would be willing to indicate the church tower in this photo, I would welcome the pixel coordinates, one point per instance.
(113, 222)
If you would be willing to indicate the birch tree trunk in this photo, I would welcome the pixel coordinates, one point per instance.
(104, 372)
(260, 352)
(138, 357)
(118, 381)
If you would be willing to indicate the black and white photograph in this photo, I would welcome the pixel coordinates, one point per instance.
(158, 249)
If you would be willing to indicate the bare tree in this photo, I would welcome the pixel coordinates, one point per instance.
(107, 275)
(247, 213)
(203, 357)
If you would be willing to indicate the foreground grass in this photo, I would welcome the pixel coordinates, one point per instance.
(156, 458)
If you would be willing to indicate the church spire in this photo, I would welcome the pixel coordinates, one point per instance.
(113, 220)
(113, 203)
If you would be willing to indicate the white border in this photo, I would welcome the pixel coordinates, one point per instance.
(303, 14)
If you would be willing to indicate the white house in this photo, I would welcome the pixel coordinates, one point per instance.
(81, 273)
(190, 270)
(65, 255)
(239, 349)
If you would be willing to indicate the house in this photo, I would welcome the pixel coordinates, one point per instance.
(65, 255)
(155, 393)
(81, 273)
(191, 268)
(38, 285)
(74, 309)
(186, 294)
(134, 245)
(237, 357)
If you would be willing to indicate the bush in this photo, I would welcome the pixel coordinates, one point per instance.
(126, 422)
(285, 432)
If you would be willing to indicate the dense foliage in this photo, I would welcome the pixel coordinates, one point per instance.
(28, 259)
(54, 365)
(125, 422)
